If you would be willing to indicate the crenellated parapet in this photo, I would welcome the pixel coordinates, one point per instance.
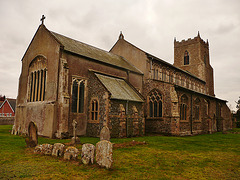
(190, 41)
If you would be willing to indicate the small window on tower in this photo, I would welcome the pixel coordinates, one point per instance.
(186, 58)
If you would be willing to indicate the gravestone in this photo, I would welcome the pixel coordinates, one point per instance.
(47, 149)
(71, 153)
(104, 154)
(58, 149)
(105, 134)
(75, 139)
(32, 139)
(38, 149)
(88, 153)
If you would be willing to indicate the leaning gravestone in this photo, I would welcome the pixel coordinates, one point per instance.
(105, 134)
(32, 139)
(88, 153)
(104, 154)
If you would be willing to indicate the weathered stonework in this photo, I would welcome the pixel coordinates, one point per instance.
(71, 153)
(58, 149)
(47, 149)
(104, 154)
(88, 152)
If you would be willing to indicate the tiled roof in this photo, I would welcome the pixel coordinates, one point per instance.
(119, 88)
(86, 50)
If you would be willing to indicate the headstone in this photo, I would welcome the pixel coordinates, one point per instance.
(105, 134)
(47, 149)
(32, 139)
(38, 149)
(75, 139)
(71, 153)
(88, 153)
(104, 154)
(58, 149)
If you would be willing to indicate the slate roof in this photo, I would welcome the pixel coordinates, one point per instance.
(86, 50)
(119, 88)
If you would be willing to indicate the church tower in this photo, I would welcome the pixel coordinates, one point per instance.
(192, 55)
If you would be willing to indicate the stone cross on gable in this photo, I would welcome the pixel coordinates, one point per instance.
(42, 19)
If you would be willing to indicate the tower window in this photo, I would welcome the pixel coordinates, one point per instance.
(186, 58)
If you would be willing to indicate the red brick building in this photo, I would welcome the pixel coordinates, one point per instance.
(7, 107)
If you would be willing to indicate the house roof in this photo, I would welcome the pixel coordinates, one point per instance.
(86, 50)
(119, 88)
(12, 103)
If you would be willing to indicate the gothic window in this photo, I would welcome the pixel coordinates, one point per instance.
(183, 107)
(186, 58)
(207, 104)
(78, 87)
(197, 109)
(37, 79)
(205, 58)
(164, 75)
(155, 104)
(94, 109)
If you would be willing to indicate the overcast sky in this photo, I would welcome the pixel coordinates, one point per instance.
(149, 24)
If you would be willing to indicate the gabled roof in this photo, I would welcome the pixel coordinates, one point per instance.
(159, 60)
(86, 50)
(119, 88)
(11, 102)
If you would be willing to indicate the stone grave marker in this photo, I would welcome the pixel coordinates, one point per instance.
(105, 134)
(75, 139)
(104, 154)
(58, 149)
(87, 155)
(32, 139)
(71, 153)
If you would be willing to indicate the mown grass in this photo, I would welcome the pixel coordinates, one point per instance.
(215, 156)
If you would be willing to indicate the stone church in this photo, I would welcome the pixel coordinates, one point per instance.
(126, 89)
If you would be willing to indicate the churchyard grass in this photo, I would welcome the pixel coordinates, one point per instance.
(215, 156)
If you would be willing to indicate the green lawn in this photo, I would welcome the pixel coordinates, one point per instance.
(215, 156)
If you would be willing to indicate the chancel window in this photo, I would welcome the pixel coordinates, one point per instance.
(186, 58)
(78, 87)
(183, 107)
(155, 104)
(37, 79)
(94, 109)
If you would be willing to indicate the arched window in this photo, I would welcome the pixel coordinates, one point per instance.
(155, 104)
(94, 109)
(197, 103)
(37, 79)
(207, 106)
(183, 107)
(186, 58)
(78, 87)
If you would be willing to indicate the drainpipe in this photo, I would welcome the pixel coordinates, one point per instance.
(127, 117)
(191, 116)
